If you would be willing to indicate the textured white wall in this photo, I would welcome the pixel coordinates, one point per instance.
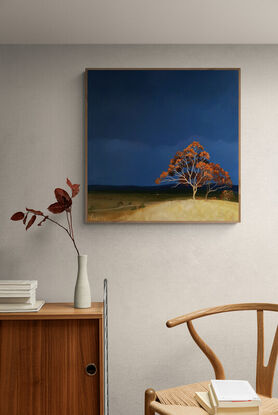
(155, 271)
(138, 21)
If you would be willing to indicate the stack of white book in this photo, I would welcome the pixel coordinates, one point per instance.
(227, 397)
(19, 295)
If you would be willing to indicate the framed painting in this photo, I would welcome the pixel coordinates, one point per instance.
(163, 145)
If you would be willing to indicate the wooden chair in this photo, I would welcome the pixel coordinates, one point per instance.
(181, 401)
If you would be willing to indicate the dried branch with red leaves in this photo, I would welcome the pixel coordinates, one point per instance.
(63, 204)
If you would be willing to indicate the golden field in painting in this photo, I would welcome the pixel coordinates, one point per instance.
(138, 207)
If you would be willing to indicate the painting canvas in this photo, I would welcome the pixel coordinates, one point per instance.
(162, 145)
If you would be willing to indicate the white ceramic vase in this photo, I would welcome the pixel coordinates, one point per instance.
(82, 293)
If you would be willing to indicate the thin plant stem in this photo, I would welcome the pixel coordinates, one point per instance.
(67, 215)
(63, 227)
(71, 224)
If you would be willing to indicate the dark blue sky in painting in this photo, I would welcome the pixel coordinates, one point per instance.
(138, 119)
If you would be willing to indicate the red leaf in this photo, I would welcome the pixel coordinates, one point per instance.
(25, 218)
(63, 198)
(36, 212)
(17, 216)
(31, 221)
(56, 208)
(74, 188)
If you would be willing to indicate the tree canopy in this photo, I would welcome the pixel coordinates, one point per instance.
(192, 167)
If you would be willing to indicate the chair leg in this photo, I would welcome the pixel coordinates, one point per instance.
(150, 396)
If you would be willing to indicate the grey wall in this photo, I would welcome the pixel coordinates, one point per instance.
(155, 271)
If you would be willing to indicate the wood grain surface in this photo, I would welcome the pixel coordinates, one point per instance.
(43, 365)
(57, 311)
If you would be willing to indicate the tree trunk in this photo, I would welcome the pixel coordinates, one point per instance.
(194, 192)
(208, 191)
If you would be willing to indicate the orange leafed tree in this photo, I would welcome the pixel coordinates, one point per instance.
(188, 167)
(217, 177)
(191, 167)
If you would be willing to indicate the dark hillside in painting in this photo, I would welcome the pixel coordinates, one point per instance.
(181, 190)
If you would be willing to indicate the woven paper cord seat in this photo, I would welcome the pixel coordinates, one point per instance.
(181, 401)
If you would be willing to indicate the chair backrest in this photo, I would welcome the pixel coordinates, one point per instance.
(265, 374)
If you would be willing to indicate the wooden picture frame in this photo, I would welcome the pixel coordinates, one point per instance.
(126, 210)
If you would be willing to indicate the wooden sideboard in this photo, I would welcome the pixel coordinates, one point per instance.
(51, 362)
